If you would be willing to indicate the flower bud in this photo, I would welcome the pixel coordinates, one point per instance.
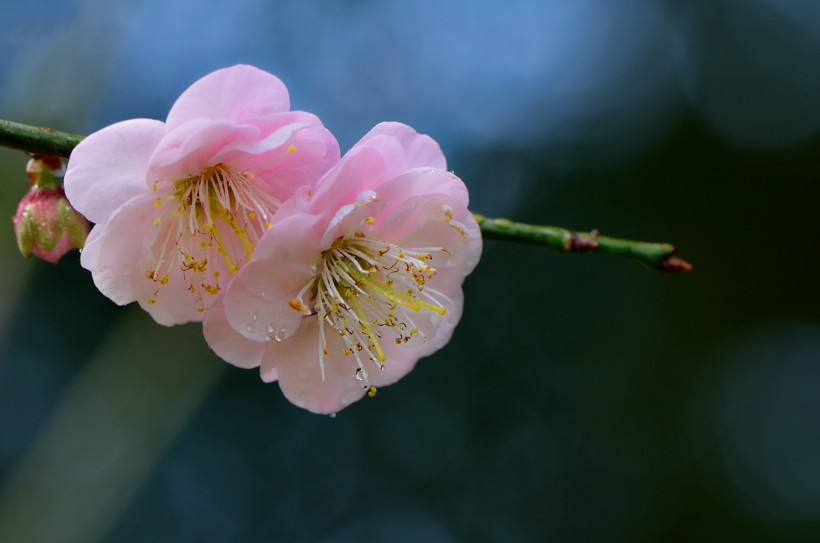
(45, 224)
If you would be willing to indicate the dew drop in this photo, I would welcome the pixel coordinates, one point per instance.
(249, 328)
(269, 335)
(253, 317)
(280, 334)
(333, 415)
(359, 376)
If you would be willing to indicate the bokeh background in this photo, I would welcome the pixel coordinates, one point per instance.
(583, 398)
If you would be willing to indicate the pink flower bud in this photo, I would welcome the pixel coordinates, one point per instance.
(45, 224)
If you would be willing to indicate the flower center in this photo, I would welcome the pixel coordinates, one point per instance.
(367, 290)
(208, 223)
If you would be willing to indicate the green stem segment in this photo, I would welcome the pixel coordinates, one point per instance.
(36, 140)
(660, 256)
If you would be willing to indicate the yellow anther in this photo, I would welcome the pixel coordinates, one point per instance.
(370, 220)
(292, 149)
(297, 305)
(156, 221)
(371, 391)
(151, 301)
(158, 202)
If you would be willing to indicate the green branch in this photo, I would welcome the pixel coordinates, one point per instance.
(36, 140)
(660, 256)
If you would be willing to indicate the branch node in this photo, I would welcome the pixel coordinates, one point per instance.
(579, 242)
(673, 264)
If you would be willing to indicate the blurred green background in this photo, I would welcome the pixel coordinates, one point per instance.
(583, 398)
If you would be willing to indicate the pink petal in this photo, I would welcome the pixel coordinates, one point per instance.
(226, 342)
(315, 150)
(109, 167)
(417, 150)
(388, 151)
(433, 221)
(257, 300)
(300, 378)
(238, 93)
(113, 251)
(424, 182)
(362, 168)
(171, 303)
(268, 371)
(191, 146)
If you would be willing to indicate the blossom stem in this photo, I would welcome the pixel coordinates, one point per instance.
(37, 140)
(660, 256)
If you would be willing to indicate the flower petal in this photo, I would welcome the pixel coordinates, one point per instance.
(417, 150)
(191, 146)
(109, 167)
(362, 168)
(226, 342)
(294, 140)
(113, 263)
(238, 93)
(389, 150)
(258, 299)
(300, 377)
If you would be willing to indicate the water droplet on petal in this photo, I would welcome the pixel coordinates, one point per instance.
(253, 317)
(333, 415)
(249, 328)
(269, 336)
(280, 334)
(359, 376)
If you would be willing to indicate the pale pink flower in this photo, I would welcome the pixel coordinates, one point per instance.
(179, 206)
(363, 279)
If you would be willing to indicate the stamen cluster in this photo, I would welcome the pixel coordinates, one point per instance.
(366, 289)
(208, 223)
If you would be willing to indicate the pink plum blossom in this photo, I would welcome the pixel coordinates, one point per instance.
(180, 205)
(45, 224)
(362, 280)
